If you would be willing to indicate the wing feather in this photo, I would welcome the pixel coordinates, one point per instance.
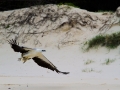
(16, 46)
(44, 62)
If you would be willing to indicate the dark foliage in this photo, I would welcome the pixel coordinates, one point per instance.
(93, 5)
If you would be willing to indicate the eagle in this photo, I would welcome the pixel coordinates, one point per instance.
(35, 54)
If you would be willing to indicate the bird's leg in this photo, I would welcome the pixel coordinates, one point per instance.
(24, 59)
(20, 59)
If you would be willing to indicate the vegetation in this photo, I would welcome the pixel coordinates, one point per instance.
(108, 61)
(88, 70)
(84, 4)
(109, 41)
(88, 62)
(69, 4)
(105, 11)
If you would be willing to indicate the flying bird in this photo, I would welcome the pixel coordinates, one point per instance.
(35, 54)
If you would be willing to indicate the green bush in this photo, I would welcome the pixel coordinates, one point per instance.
(109, 41)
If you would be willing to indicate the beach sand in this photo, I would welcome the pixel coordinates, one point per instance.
(15, 75)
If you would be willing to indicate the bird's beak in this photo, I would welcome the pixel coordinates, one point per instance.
(43, 50)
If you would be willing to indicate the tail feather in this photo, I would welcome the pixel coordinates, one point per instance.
(64, 72)
(61, 72)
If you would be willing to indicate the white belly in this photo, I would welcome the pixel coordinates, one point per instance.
(31, 54)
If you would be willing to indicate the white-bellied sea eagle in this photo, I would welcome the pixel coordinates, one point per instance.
(35, 54)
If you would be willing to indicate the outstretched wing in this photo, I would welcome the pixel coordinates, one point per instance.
(16, 46)
(44, 62)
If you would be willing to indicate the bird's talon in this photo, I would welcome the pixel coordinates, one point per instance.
(19, 59)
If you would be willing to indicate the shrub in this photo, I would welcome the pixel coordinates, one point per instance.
(109, 41)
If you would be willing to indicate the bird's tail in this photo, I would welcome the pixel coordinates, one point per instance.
(64, 72)
(61, 72)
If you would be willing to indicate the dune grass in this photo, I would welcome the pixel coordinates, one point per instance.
(105, 11)
(88, 62)
(110, 41)
(88, 70)
(108, 61)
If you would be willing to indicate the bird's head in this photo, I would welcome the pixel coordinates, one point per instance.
(41, 50)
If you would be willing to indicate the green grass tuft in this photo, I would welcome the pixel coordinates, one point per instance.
(88, 70)
(108, 61)
(105, 11)
(110, 41)
(88, 62)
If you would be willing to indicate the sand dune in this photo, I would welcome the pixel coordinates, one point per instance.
(88, 70)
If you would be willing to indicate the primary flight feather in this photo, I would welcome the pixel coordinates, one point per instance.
(35, 54)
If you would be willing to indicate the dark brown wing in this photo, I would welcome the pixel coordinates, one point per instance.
(16, 46)
(48, 65)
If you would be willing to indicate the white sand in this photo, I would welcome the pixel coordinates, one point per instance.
(15, 75)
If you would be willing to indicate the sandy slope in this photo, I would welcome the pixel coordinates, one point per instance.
(83, 75)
